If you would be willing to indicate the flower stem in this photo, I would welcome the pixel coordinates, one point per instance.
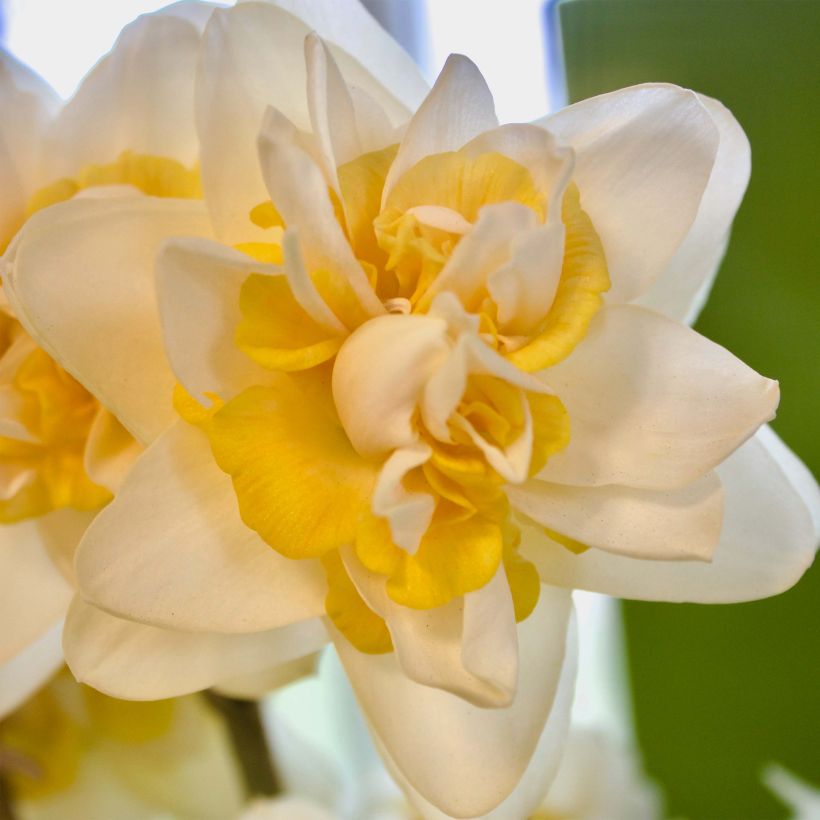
(250, 742)
(6, 802)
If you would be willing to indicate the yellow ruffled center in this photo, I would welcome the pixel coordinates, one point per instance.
(53, 432)
(299, 481)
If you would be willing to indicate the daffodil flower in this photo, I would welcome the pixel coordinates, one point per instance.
(430, 373)
(62, 453)
(71, 752)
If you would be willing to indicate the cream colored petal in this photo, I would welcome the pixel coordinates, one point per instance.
(408, 514)
(463, 759)
(644, 156)
(252, 58)
(459, 107)
(767, 542)
(482, 251)
(171, 550)
(380, 373)
(26, 672)
(198, 284)
(468, 647)
(682, 289)
(133, 661)
(529, 793)
(348, 25)
(330, 105)
(257, 685)
(81, 279)
(666, 525)
(139, 97)
(550, 163)
(34, 595)
(110, 450)
(299, 191)
(28, 104)
(524, 288)
(652, 404)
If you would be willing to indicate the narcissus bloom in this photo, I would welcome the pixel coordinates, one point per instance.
(62, 453)
(429, 374)
(71, 752)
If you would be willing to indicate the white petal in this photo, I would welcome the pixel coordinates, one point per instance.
(468, 647)
(347, 24)
(132, 661)
(644, 156)
(81, 279)
(198, 284)
(529, 793)
(458, 107)
(34, 595)
(408, 513)
(330, 104)
(525, 287)
(299, 191)
(665, 525)
(461, 758)
(119, 107)
(652, 403)
(257, 685)
(110, 451)
(252, 58)
(28, 103)
(682, 289)
(550, 163)
(380, 372)
(483, 250)
(768, 540)
(25, 673)
(171, 550)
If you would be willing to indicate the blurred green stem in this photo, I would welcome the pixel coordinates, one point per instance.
(250, 742)
(6, 804)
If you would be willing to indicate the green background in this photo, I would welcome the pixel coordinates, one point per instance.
(720, 691)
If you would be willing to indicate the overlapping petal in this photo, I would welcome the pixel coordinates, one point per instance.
(59, 280)
(652, 404)
(479, 755)
(768, 540)
(133, 661)
(172, 551)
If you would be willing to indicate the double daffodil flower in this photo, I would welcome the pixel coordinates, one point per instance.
(405, 378)
(62, 453)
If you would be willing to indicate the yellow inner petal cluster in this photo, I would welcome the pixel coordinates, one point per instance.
(46, 417)
(298, 479)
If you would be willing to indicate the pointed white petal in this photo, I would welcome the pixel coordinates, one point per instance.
(652, 404)
(665, 525)
(458, 108)
(768, 540)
